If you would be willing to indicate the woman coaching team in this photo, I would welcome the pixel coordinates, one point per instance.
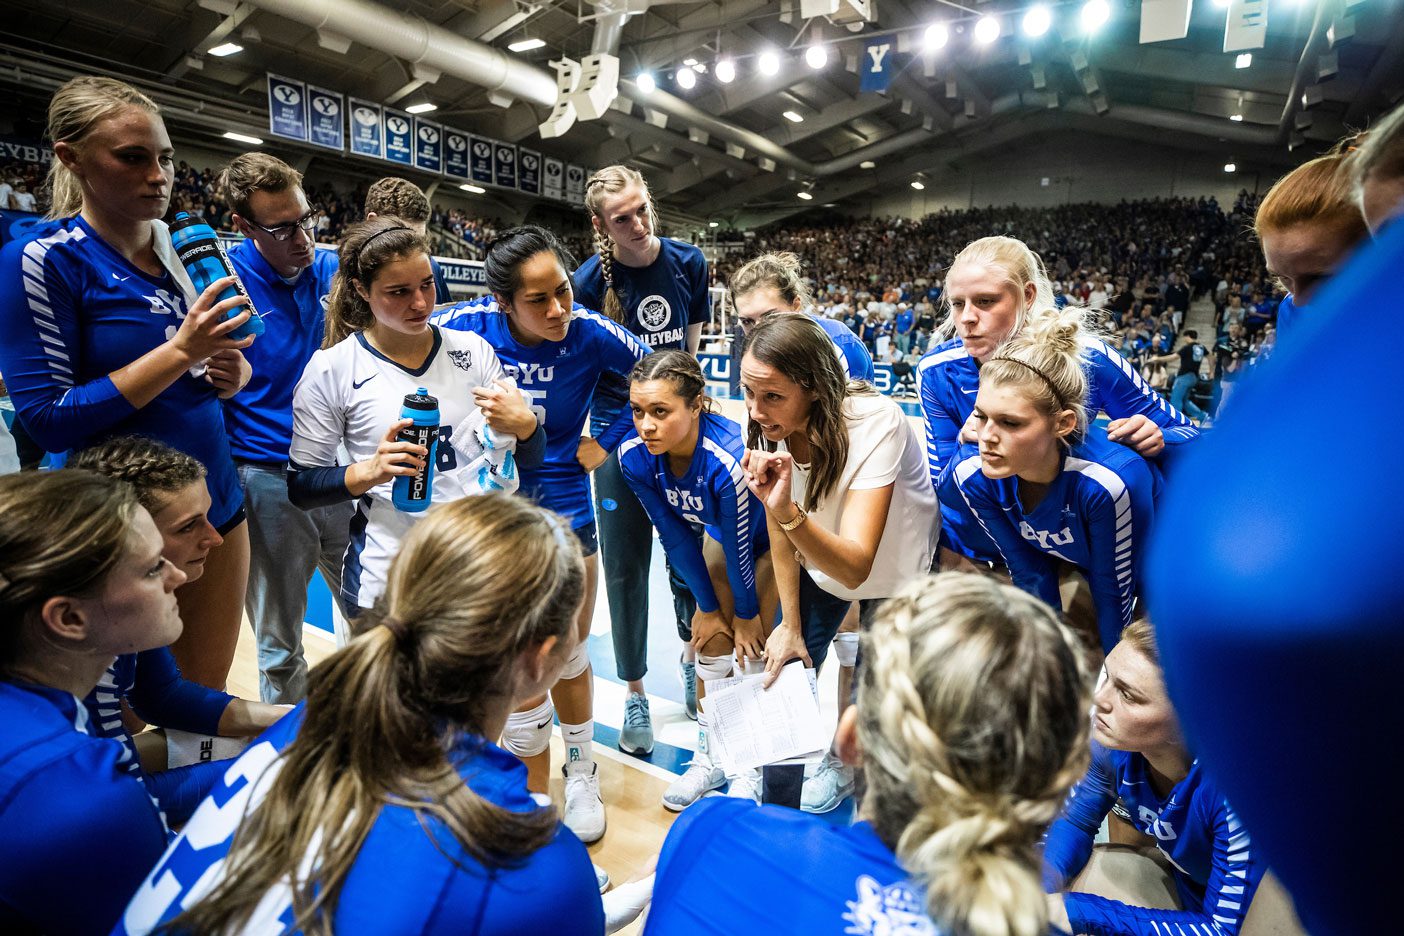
(828, 504)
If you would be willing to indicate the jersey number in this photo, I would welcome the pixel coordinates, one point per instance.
(537, 399)
(445, 458)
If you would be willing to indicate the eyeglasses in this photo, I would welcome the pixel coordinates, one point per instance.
(283, 232)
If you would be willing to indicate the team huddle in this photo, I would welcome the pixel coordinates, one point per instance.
(977, 574)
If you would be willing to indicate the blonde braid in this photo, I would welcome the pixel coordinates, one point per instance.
(613, 307)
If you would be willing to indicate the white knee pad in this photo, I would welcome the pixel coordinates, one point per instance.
(578, 663)
(528, 733)
(713, 667)
(846, 649)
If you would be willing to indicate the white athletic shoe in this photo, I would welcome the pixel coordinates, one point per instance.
(831, 784)
(584, 810)
(601, 878)
(700, 778)
(746, 785)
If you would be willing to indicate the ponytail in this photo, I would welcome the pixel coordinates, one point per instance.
(365, 248)
(780, 270)
(76, 108)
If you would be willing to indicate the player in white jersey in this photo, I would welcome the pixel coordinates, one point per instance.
(380, 348)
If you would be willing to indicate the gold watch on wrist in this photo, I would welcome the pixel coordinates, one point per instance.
(800, 517)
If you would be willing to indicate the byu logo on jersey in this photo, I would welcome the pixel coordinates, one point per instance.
(461, 359)
(165, 303)
(887, 911)
(529, 372)
(1043, 538)
(654, 313)
(684, 500)
(1158, 827)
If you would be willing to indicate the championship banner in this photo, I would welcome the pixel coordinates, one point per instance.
(529, 172)
(504, 165)
(287, 108)
(326, 124)
(367, 137)
(1247, 25)
(553, 185)
(428, 146)
(455, 153)
(399, 137)
(480, 161)
(575, 184)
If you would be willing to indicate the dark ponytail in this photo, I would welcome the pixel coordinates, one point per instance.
(502, 267)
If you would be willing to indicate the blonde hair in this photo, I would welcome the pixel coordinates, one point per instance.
(611, 180)
(1017, 264)
(1380, 153)
(1046, 360)
(255, 172)
(365, 248)
(1318, 193)
(1141, 635)
(973, 717)
(779, 270)
(153, 469)
(477, 583)
(76, 108)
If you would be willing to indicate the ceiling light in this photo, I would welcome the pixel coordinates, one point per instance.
(805, 196)
(769, 63)
(816, 56)
(712, 224)
(686, 79)
(918, 184)
(1230, 167)
(475, 189)
(1237, 118)
(243, 138)
(1244, 60)
(1037, 21)
(689, 62)
(726, 71)
(936, 37)
(1094, 15)
(867, 164)
(646, 83)
(792, 117)
(421, 108)
(526, 45)
(987, 30)
(226, 48)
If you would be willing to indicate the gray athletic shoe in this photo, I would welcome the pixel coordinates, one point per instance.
(831, 784)
(687, 673)
(700, 778)
(636, 736)
(601, 878)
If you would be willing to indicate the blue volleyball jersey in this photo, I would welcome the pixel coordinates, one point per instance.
(559, 377)
(1096, 515)
(1216, 869)
(259, 417)
(660, 301)
(853, 355)
(1288, 314)
(411, 875)
(950, 379)
(712, 493)
(72, 311)
(79, 832)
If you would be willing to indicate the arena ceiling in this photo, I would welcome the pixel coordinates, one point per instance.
(720, 148)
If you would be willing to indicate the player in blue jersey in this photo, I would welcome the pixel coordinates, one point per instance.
(656, 287)
(380, 348)
(1140, 762)
(406, 201)
(995, 286)
(556, 354)
(101, 333)
(1043, 485)
(289, 282)
(1308, 223)
(434, 828)
(971, 723)
(772, 283)
(171, 486)
(82, 579)
(683, 462)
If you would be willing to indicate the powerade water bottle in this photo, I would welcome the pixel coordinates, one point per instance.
(413, 493)
(199, 250)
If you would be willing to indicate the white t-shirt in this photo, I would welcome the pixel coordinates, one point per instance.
(883, 449)
(5, 190)
(24, 201)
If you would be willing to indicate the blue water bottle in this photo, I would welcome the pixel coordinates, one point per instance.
(200, 252)
(413, 493)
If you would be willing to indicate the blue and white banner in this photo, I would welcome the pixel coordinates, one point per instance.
(366, 129)
(399, 137)
(455, 153)
(553, 178)
(463, 272)
(504, 165)
(287, 108)
(529, 172)
(22, 149)
(716, 370)
(879, 64)
(428, 146)
(575, 184)
(326, 125)
(480, 160)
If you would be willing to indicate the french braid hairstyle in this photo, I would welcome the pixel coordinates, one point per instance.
(153, 469)
(611, 180)
(973, 719)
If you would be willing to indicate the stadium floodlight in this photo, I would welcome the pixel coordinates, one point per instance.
(816, 57)
(1094, 15)
(1037, 21)
(226, 48)
(936, 37)
(423, 107)
(526, 45)
(1244, 60)
(793, 117)
(726, 71)
(713, 223)
(1230, 167)
(646, 83)
(243, 138)
(475, 189)
(1236, 118)
(987, 30)
(804, 196)
(867, 164)
(918, 184)
(686, 78)
(769, 63)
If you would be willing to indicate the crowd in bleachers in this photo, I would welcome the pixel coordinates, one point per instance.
(21, 186)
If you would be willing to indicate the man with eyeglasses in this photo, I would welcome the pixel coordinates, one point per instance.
(288, 280)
